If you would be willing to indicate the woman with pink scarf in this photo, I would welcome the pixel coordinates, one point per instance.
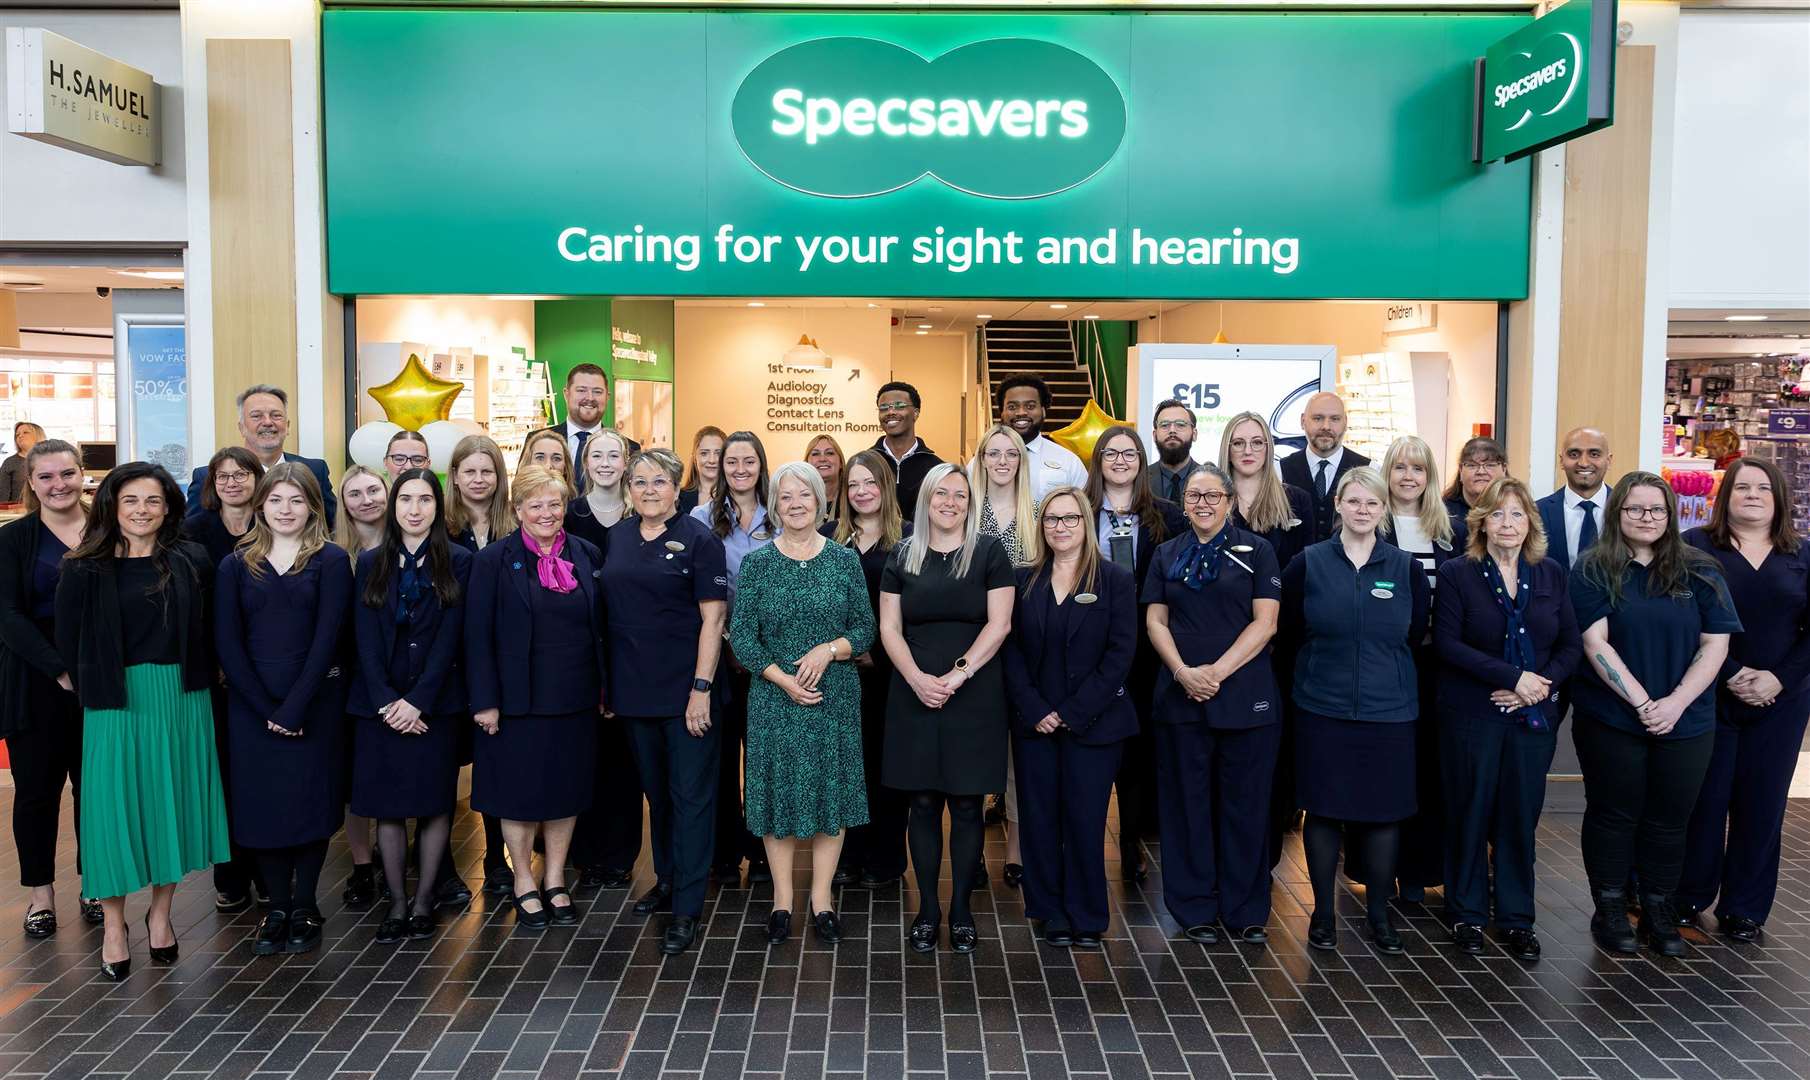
(536, 671)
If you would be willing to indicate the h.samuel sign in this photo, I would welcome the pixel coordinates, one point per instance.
(1007, 118)
(1548, 82)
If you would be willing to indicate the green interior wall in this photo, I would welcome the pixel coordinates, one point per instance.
(652, 322)
(576, 330)
(1114, 338)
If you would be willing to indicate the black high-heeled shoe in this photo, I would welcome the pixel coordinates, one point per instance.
(166, 954)
(116, 971)
(1014, 874)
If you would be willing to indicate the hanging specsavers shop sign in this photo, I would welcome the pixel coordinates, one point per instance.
(1101, 155)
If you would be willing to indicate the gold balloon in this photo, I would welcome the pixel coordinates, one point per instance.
(1081, 435)
(416, 397)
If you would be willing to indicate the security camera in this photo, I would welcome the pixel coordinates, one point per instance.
(103, 291)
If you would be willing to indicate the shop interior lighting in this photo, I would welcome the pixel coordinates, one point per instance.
(1058, 307)
(756, 303)
(1745, 318)
(1090, 316)
(806, 354)
(157, 275)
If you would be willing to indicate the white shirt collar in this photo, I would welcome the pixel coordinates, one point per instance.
(1573, 500)
(573, 429)
(1332, 459)
(916, 445)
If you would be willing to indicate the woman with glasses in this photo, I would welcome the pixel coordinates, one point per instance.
(407, 450)
(1214, 596)
(1732, 849)
(668, 583)
(1506, 640)
(945, 610)
(1656, 620)
(364, 502)
(1481, 462)
(706, 469)
(1130, 524)
(1354, 607)
(1074, 631)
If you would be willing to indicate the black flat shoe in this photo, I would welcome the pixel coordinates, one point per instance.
(562, 914)
(228, 904)
(1610, 926)
(1734, 927)
(304, 931)
(1014, 874)
(923, 936)
(390, 931)
(617, 879)
(164, 954)
(779, 927)
(498, 880)
(871, 880)
(680, 933)
(591, 877)
(1205, 933)
(827, 926)
(1058, 934)
(273, 934)
(981, 878)
(759, 873)
(533, 920)
(844, 876)
(1468, 938)
(1323, 935)
(361, 887)
(1137, 873)
(421, 926)
(658, 898)
(1087, 939)
(116, 971)
(40, 924)
(1522, 944)
(91, 912)
(1387, 941)
(452, 892)
(965, 939)
(1657, 927)
(1254, 935)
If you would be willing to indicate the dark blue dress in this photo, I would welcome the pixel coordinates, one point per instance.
(278, 638)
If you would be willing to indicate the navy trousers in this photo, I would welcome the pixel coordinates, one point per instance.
(679, 772)
(1213, 798)
(1731, 847)
(733, 840)
(1495, 786)
(609, 833)
(1064, 788)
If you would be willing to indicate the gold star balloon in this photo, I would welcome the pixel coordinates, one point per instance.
(416, 397)
(1081, 435)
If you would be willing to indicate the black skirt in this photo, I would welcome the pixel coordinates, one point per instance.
(1354, 770)
(405, 776)
(536, 768)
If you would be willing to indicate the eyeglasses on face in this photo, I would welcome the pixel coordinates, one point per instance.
(1174, 425)
(1198, 498)
(656, 483)
(1119, 455)
(1062, 521)
(1645, 513)
(893, 406)
(238, 476)
(1484, 464)
(409, 461)
(1000, 455)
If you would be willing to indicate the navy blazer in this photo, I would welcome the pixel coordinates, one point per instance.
(433, 682)
(1552, 517)
(1089, 692)
(500, 627)
(1295, 471)
(1468, 629)
(198, 483)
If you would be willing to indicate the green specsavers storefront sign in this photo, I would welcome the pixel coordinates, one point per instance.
(1550, 81)
(997, 155)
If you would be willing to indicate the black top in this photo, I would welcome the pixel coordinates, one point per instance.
(909, 474)
(144, 612)
(1286, 540)
(12, 479)
(502, 634)
(208, 529)
(1773, 604)
(1296, 470)
(1469, 628)
(28, 653)
(91, 635)
(45, 570)
(1205, 622)
(582, 523)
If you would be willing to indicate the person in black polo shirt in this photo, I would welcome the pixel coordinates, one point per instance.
(910, 459)
(1656, 618)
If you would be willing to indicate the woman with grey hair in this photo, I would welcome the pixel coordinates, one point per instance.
(801, 616)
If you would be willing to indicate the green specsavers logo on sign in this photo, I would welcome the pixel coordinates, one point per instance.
(1549, 81)
(1009, 118)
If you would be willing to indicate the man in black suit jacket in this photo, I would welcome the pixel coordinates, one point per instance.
(264, 425)
(587, 395)
(1316, 469)
(1573, 515)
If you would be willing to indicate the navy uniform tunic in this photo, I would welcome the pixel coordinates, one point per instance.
(279, 641)
(414, 657)
(1204, 625)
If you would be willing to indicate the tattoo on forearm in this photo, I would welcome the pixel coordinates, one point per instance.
(1615, 677)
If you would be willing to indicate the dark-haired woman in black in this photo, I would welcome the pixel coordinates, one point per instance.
(131, 623)
(410, 697)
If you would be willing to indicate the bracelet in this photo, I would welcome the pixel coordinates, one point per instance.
(1643, 704)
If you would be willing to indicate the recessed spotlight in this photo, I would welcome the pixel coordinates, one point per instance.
(157, 275)
(1090, 316)
(1058, 307)
(873, 305)
(756, 303)
(923, 326)
(983, 316)
(923, 333)
(1745, 318)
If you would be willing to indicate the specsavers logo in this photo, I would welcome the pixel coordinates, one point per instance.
(1540, 81)
(1009, 118)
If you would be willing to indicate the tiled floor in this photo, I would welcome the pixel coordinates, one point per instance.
(483, 1000)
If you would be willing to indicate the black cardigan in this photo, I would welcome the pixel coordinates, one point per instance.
(91, 639)
(26, 653)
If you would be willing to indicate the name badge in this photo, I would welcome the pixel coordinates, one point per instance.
(1085, 598)
(1291, 523)
(1382, 594)
(761, 534)
(1052, 465)
(1243, 549)
(674, 545)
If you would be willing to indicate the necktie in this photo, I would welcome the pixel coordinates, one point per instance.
(1175, 488)
(1320, 479)
(1586, 534)
(578, 451)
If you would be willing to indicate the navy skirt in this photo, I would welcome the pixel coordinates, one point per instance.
(405, 776)
(1354, 770)
(536, 768)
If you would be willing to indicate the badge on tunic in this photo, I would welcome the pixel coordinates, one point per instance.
(761, 534)
(1243, 549)
(1291, 523)
(1085, 598)
(674, 545)
(1382, 594)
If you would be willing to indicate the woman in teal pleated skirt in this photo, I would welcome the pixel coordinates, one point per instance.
(132, 626)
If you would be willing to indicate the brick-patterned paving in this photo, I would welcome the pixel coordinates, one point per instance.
(597, 1000)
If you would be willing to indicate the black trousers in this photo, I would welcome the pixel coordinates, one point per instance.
(877, 847)
(1421, 862)
(608, 836)
(1215, 802)
(235, 876)
(1495, 786)
(45, 754)
(1064, 788)
(733, 840)
(1639, 793)
(679, 772)
(1731, 847)
(1136, 781)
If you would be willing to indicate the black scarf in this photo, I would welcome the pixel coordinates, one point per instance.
(1517, 647)
(411, 584)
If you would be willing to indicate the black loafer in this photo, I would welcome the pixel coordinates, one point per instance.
(421, 926)
(533, 920)
(452, 892)
(40, 924)
(228, 904)
(845, 875)
(273, 934)
(871, 880)
(779, 927)
(1323, 935)
(1739, 928)
(1014, 874)
(1087, 939)
(759, 873)
(304, 931)
(1058, 934)
(361, 887)
(617, 879)
(923, 936)
(390, 931)
(1388, 942)
(1523, 944)
(1468, 938)
(1205, 933)
(591, 877)
(562, 914)
(827, 927)
(1254, 935)
(965, 939)
(91, 912)
(498, 880)
(680, 933)
(658, 898)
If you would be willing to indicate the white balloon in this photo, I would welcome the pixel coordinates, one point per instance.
(442, 436)
(368, 444)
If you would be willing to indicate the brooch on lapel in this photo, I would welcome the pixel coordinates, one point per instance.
(518, 565)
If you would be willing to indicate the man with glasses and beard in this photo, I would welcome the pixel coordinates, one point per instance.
(1175, 432)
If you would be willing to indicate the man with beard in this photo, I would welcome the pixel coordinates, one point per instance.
(1023, 399)
(1175, 432)
(1317, 468)
(264, 425)
(898, 404)
(1574, 513)
(587, 392)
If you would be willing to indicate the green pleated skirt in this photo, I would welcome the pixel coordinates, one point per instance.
(152, 804)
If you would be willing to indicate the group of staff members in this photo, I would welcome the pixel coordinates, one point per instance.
(794, 662)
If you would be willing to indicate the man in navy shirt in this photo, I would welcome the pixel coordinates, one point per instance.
(264, 426)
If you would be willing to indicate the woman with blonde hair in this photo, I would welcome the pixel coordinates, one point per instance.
(478, 511)
(603, 500)
(280, 603)
(1281, 513)
(824, 454)
(1001, 474)
(546, 448)
(364, 502)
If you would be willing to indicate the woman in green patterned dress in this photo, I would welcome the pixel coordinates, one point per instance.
(801, 616)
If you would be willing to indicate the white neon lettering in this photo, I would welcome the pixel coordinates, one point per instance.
(785, 103)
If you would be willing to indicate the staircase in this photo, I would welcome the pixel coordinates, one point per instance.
(1037, 347)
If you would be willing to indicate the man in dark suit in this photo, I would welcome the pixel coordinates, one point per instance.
(1317, 468)
(1573, 515)
(587, 394)
(1175, 431)
(264, 425)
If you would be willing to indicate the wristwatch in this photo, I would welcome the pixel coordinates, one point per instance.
(701, 685)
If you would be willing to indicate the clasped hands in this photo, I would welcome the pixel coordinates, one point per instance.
(403, 718)
(1754, 687)
(802, 685)
(1200, 683)
(936, 690)
(1530, 689)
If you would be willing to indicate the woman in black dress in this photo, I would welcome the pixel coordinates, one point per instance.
(869, 523)
(40, 718)
(534, 660)
(280, 606)
(945, 609)
(410, 694)
(706, 469)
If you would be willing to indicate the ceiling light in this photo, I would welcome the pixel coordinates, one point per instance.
(1745, 318)
(1058, 307)
(983, 316)
(756, 303)
(936, 311)
(806, 354)
(923, 326)
(922, 333)
(157, 275)
(873, 305)
(1090, 316)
